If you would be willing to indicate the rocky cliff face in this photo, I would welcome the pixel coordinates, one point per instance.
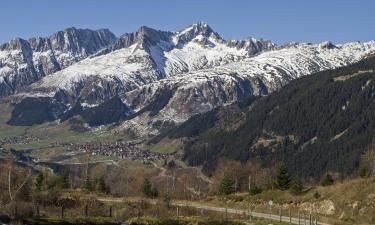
(24, 62)
(165, 77)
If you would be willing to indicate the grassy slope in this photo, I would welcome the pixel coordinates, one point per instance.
(167, 146)
(6, 130)
(353, 201)
(198, 221)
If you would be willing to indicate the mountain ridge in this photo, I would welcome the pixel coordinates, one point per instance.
(196, 67)
(317, 123)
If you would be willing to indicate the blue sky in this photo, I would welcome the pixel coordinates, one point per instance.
(278, 20)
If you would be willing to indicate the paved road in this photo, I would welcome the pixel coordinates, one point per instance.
(228, 210)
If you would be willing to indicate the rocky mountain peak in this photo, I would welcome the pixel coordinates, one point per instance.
(327, 45)
(252, 45)
(23, 62)
(194, 30)
(40, 44)
(82, 41)
(15, 44)
(145, 36)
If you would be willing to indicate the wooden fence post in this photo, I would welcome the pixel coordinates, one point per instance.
(299, 218)
(110, 211)
(226, 214)
(177, 212)
(290, 215)
(86, 210)
(280, 214)
(62, 211)
(15, 212)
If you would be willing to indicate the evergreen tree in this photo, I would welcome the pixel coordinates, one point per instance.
(296, 185)
(89, 184)
(39, 182)
(62, 182)
(283, 179)
(102, 186)
(147, 188)
(327, 180)
(227, 185)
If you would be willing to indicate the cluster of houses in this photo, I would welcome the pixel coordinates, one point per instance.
(122, 150)
(18, 140)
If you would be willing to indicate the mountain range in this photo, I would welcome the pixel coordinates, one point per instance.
(317, 123)
(159, 79)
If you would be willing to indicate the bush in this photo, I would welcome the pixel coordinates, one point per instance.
(316, 195)
(327, 180)
(255, 190)
(362, 172)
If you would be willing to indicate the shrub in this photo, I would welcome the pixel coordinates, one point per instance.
(316, 195)
(362, 172)
(327, 180)
(255, 190)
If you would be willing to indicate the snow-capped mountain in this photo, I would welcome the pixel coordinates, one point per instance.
(23, 62)
(166, 77)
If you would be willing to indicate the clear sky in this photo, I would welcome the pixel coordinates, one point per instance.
(279, 20)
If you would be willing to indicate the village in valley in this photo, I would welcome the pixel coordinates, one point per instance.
(120, 150)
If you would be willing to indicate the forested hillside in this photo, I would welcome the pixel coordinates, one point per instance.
(318, 123)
